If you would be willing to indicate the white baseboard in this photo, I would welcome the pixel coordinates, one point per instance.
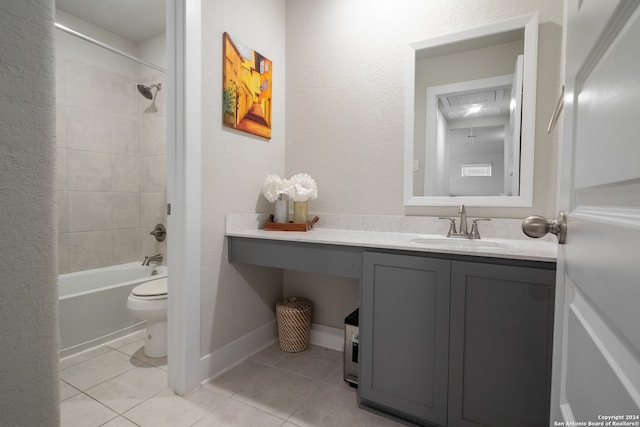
(237, 351)
(328, 337)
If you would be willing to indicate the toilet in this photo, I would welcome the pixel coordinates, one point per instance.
(148, 301)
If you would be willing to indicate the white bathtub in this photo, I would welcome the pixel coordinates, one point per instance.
(93, 304)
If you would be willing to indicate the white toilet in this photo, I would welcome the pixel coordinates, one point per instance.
(148, 301)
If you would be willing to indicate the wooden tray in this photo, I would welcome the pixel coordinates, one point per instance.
(280, 226)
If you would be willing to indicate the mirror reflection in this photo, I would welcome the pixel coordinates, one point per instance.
(473, 132)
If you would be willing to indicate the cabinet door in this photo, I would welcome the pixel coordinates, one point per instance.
(501, 337)
(404, 335)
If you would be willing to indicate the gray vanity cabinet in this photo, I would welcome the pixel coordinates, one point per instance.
(500, 348)
(457, 343)
(404, 330)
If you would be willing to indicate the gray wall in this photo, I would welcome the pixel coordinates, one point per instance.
(29, 393)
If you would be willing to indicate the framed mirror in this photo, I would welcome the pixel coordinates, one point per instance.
(470, 117)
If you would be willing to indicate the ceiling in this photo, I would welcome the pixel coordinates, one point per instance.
(134, 20)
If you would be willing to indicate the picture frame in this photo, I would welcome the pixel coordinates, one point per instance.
(246, 89)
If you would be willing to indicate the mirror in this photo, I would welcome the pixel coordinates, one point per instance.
(470, 117)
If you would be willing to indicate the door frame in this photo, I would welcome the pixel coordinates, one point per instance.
(184, 192)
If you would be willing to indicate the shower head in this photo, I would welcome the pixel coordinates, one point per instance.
(146, 90)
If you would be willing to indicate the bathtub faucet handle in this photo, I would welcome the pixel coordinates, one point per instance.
(159, 232)
(155, 258)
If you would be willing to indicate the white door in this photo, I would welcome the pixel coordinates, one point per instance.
(596, 370)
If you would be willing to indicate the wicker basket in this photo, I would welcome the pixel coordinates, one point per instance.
(294, 321)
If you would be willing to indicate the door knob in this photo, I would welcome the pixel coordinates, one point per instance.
(538, 226)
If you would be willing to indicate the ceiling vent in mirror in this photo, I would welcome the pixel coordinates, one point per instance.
(492, 102)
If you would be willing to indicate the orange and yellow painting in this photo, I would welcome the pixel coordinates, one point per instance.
(246, 90)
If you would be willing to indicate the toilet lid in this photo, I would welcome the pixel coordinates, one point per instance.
(152, 288)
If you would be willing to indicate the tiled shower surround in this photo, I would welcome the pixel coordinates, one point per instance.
(111, 181)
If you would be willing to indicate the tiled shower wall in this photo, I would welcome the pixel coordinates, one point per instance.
(111, 181)
(153, 169)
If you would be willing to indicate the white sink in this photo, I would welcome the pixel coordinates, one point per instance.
(461, 243)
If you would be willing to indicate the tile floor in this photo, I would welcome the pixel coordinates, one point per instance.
(115, 385)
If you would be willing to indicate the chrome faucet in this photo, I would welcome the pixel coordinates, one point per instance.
(473, 234)
(463, 220)
(152, 258)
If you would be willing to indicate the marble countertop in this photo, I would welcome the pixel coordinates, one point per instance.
(493, 247)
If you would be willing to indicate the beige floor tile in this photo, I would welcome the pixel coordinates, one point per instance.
(235, 414)
(305, 389)
(270, 355)
(317, 363)
(67, 391)
(133, 347)
(337, 376)
(236, 378)
(120, 422)
(83, 356)
(334, 406)
(94, 371)
(169, 410)
(136, 349)
(276, 392)
(83, 411)
(131, 388)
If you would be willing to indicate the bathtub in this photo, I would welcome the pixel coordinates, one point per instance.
(93, 304)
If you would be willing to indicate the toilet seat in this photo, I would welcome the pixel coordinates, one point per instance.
(152, 290)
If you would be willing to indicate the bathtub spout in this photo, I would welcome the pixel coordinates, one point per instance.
(152, 258)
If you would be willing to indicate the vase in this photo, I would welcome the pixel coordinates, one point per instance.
(300, 211)
(281, 213)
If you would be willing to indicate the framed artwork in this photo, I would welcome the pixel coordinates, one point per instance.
(246, 88)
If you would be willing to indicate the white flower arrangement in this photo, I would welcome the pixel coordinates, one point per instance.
(274, 187)
(301, 187)
(304, 188)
